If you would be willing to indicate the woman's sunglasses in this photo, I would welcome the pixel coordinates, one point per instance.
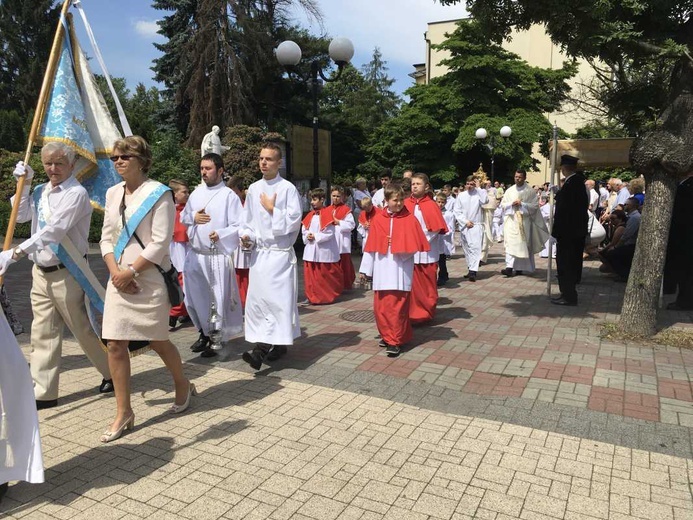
(125, 157)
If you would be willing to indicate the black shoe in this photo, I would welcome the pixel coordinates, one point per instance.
(564, 302)
(208, 353)
(253, 358)
(382, 343)
(172, 322)
(3, 490)
(392, 351)
(106, 386)
(472, 276)
(43, 405)
(467, 275)
(275, 352)
(441, 283)
(184, 320)
(201, 344)
(508, 271)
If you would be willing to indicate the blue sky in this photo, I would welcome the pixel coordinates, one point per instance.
(126, 30)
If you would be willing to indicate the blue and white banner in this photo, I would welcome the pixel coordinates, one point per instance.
(76, 114)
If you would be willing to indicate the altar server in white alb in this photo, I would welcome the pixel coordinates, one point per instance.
(271, 223)
(20, 444)
(213, 215)
(470, 218)
(523, 225)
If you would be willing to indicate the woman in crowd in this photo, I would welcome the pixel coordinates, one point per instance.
(617, 221)
(137, 231)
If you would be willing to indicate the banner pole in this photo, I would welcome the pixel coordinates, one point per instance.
(554, 160)
(38, 117)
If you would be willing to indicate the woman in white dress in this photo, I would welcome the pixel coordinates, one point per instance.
(137, 305)
(20, 444)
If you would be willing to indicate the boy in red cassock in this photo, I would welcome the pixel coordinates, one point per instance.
(424, 297)
(179, 248)
(344, 225)
(394, 238)
(322, 271)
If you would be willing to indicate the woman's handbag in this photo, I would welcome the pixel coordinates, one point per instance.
(175, 293)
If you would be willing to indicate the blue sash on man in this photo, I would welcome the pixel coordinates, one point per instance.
(75, 263)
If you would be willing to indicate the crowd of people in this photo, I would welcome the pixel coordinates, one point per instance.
(233, 251)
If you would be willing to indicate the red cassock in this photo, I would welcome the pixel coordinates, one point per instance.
(322, 280)
(366, 216)
(242, 279)
(180, 234)
(391, 307)
(340, 212)
(424, 290)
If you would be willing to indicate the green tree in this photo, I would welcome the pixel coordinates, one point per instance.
(485, 86)
(172, 160)
(12, 131)
(218, 64)
(627, 36)
(27, 28)
(354, 107)
(143, 110)
(244, 146)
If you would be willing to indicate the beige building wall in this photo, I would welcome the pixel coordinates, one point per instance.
(535, 47)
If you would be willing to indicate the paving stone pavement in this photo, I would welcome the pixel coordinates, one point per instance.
(504, 407)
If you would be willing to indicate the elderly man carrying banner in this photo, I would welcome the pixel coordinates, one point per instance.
(524, 228)
(60, 213)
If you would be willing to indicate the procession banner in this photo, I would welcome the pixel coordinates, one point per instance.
(76, 114)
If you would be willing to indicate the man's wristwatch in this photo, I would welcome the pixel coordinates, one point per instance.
(134, 271)
(18, 253)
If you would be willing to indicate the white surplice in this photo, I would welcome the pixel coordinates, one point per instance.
(389, 272)
(524, 230)
(210, 276)
(448, 245)
(324, 248)
(379, 198)
(271, 311)
(434, 240)
(468, 209)
(20, 444)
(343, 232)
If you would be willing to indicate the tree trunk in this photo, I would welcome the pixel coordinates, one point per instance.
(639, 312)
(663, 156)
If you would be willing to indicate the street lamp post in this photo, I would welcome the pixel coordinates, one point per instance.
(482, 134)
(288, 54)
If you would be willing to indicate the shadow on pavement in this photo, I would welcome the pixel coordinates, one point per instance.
(107, 466)
(447, 314)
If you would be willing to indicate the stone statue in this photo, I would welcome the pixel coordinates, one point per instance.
(212, 144)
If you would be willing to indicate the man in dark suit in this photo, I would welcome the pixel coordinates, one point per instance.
(569, 230)
(679, 265)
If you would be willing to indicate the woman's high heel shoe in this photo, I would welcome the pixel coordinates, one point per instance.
(180, 408)
(129, 424)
